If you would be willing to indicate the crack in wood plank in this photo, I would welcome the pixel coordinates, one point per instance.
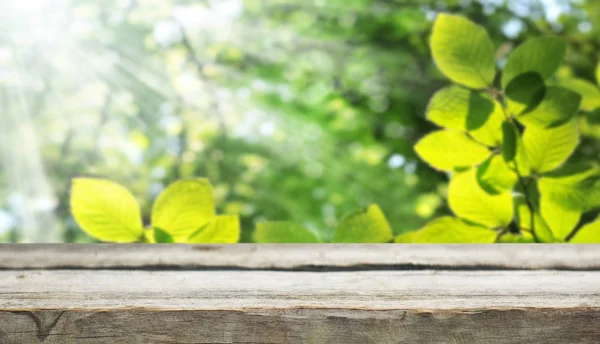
(43, 328)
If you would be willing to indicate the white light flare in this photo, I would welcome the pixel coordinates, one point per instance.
(33, 22)
(29, 27)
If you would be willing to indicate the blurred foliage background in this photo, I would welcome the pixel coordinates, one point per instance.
(299, 110)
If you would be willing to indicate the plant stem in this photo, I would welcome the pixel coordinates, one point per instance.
(529, 204)
(498, 96)
(572, 234)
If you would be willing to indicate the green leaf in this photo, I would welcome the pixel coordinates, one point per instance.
(469, 201)
(598, 73)
(560, 220)
(512, 238)
(463, 51)
(547, 149)
(364, 226)
(524, 219)
(524, 93)
(451, 230)
(509, 141)
(542, 55)
(588, 234)
(148, 236)
(590, 93)
(574, 187)
(222, 229)
(491, 133)
(513, 150)
(557, 107)
(458, 108)
(283, 232)
(461, 109)
(448, 150)
(494, 175)
(590, 125)
(184, 207)
(521, 162)
(161, 237)
(406, 238)
(106, 210)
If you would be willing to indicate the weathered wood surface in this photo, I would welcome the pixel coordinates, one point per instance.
(253, 294)
(301, 257)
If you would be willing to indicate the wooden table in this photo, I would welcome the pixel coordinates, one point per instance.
(299, 294)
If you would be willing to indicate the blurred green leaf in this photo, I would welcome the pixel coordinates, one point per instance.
(574, 187)
(509, 141)
(406, 238)
(183, 208)
(524, 92)
(461, 109)
(469, 201)
(449, 230)
(542, 55)
(364, 226)
(222, 229)
(283, 232)
(161, 237)
(590, 93)
(448, 150)
(494, 175)
(547, 149)
(463, 51)
(512, 238)
(557, 107)
(524, 218)
(106, 210)
(560, 220)
(490, 133)
(458, 108)
(513, 149)
(588, 234)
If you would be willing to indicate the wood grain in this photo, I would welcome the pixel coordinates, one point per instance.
(235, 290)
(299, 294)
(301, 257)
(134, 326)
(428, 306)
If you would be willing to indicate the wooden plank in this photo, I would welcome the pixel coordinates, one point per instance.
(301, 257)
(302, 326)
(299, 294)
(426, 306)
(233, 290)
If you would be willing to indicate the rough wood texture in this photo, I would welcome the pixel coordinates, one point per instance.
(133, 326)
(301, 257)
(214, 290)
(136, 294)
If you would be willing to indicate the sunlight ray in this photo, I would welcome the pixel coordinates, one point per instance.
(31, 194)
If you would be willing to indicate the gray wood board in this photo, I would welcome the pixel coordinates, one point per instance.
(426, 306)
(299, 294)
(215, 290)
(301, 257)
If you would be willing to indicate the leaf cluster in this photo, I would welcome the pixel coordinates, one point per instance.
(505, 140)
(185, 213)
